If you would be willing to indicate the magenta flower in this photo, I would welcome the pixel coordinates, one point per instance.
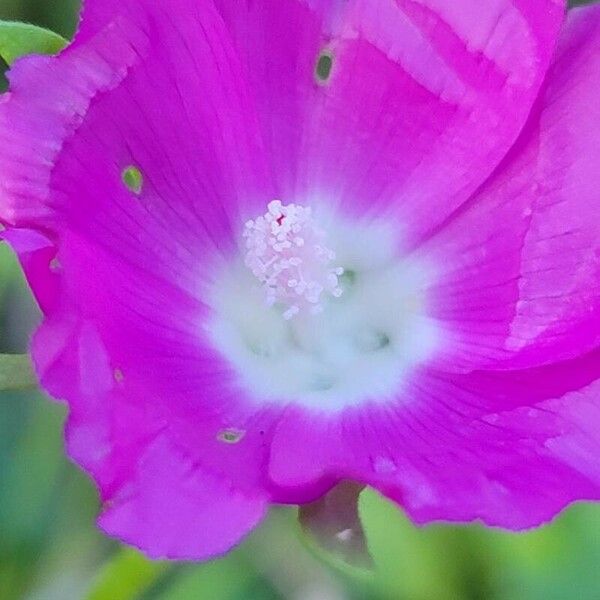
(283, 243)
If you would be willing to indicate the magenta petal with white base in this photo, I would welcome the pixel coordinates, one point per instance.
(282, 244)
(509, 448)
(422, 101)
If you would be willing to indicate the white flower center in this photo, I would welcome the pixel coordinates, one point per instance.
(320, 311)
(286, 253)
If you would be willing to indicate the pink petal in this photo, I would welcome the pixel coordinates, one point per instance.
(127, 352)
(45, 104)
(424, 98)
(510, 449)
(173, 508)
(155, 87)
(519, 265)
(36, 252)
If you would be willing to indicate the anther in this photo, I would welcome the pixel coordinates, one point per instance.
(285, 251)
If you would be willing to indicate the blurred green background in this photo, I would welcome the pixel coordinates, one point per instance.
(50, 549)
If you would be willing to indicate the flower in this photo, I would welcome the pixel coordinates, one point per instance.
(281, 244)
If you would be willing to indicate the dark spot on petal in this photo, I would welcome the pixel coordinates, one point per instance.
(324, 67)
(230, 436)
(133, 179)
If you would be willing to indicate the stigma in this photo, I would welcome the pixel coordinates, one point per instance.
(286, 252)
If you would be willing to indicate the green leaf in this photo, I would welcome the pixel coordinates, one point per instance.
(126, 576)
(223, 579)
(9, 269)
(437, 561)
(16, 372)
(19, 39)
